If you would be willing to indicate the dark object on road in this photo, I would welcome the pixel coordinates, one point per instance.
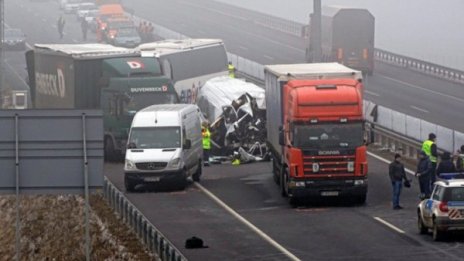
(194, 242)
(407, 183)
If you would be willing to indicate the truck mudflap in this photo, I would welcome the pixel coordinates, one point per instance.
(356, 188)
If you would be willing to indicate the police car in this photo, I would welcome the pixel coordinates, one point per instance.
(444, 210)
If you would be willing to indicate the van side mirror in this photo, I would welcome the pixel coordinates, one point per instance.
(281, 136)
(187, 144)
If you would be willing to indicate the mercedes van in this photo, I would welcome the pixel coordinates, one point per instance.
(164, 146)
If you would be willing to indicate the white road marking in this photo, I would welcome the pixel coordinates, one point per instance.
(247, 223)
(372, 93)
(419, 109)
(243, 47)
(388, 162)
(268, 57)
(389, 225)
(422, 88)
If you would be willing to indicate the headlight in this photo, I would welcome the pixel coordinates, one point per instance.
(350, 166)
(129, 165)
(315, 167)
(175, 163)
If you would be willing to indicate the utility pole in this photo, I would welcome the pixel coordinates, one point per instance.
(316, 32)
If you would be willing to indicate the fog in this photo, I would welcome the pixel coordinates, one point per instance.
(425, 29)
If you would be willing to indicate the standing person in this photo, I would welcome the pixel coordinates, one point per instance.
(60, 25)
(430, 148)
(206, 142)
(84, 27)
(446, 165)
(460, 160)
(231, 69)
(397, 174)
(423, 172)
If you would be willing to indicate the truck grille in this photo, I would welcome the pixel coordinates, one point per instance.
(328, 165)
(151, 165)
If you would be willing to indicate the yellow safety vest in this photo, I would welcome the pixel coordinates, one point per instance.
(427, 148)
(231, 69)
(206, 139)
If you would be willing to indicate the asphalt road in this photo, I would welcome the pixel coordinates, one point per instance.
(331, 230)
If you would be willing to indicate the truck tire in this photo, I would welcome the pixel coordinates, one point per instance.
(275, 172)
(420, 224)
(283, 183)
(110, 154)
(197, 174)
(129, 184)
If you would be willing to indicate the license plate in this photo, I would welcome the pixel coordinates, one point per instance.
(152, 179)
(329, 193)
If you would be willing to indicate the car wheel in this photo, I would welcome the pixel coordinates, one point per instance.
(437, 234)
(197, 174)
(129, 184)
(420, 224)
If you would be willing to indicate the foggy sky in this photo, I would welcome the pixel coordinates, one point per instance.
(425, 29)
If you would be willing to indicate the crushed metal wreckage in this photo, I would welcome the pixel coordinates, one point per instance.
(236, 112)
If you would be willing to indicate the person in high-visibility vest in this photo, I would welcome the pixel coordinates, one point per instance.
(205, 133)
(460, 160)
(429, 147)
(231, 69)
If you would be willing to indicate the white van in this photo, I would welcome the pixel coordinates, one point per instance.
(164, 145)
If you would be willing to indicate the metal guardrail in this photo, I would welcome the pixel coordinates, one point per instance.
(143, 228)
(428, 68)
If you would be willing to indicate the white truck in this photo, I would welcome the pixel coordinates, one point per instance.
(164, 146)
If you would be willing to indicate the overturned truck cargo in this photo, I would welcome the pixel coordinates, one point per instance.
(236, 112)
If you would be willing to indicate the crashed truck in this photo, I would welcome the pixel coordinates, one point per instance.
(236, 113)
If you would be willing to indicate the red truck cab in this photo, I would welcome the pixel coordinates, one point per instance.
(321, 149)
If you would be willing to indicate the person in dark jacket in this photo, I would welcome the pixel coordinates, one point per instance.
(446, 165)
(397, 174)
(424, 172)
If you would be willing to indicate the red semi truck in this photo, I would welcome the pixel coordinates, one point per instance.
(315, 130)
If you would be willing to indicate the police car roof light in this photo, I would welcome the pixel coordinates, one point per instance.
(449, 176)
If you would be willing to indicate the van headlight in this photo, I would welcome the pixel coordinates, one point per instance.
(175, 163)
(129, 165)
(350, 166)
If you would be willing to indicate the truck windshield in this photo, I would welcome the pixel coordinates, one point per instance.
(136, 102)
(323, 136)
(155, 138)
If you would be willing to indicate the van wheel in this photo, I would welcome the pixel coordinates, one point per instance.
(129, 184)
(182, 182)
(110, 154)
(197, 174)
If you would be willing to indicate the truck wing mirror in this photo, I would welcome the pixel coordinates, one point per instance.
(187, 144)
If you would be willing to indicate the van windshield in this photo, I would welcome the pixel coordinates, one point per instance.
(155, 138)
